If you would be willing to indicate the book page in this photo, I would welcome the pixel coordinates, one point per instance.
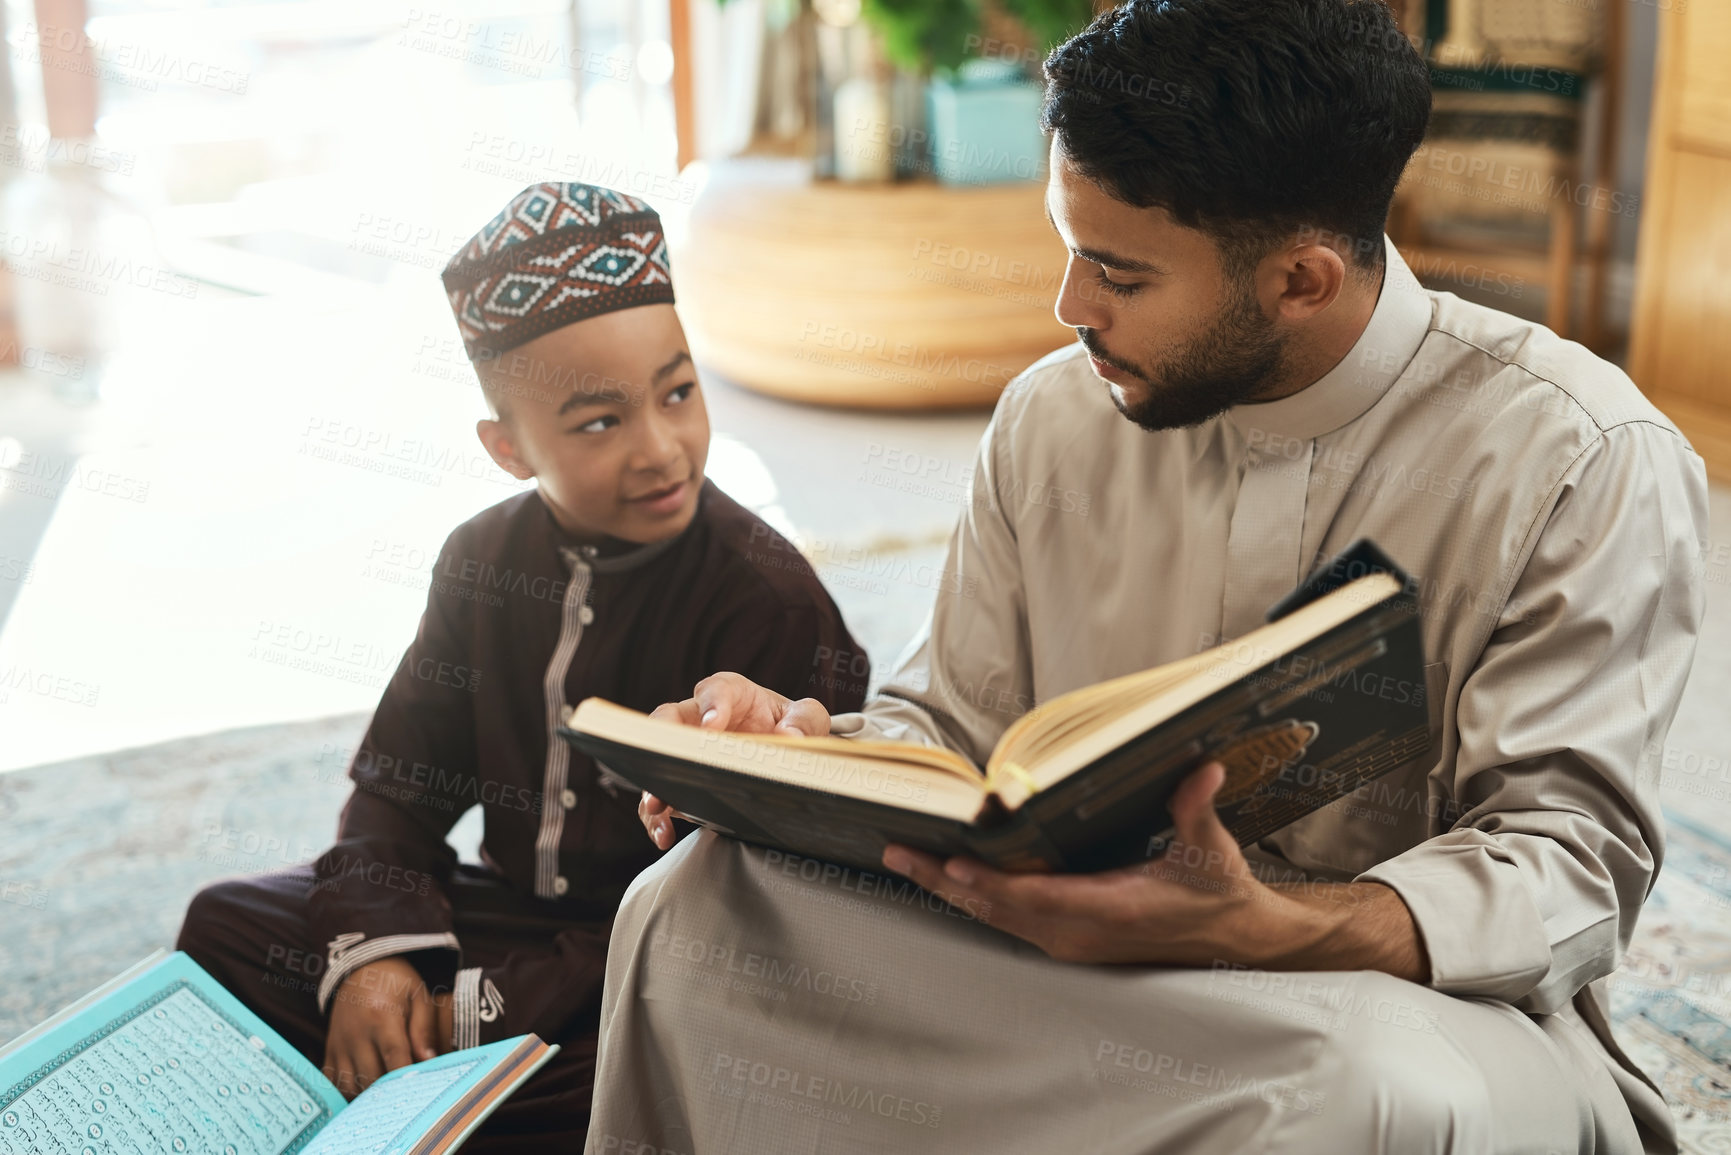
(386, 1119)
(432, 1106)
(1139, 702)
(169, 1062)
(942, 781)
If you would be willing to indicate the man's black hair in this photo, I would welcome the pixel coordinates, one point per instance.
(1250, 120)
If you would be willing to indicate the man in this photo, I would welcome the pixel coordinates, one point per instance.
(1259, 381)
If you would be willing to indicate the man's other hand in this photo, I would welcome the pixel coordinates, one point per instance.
(731, 702)
(383, 1017)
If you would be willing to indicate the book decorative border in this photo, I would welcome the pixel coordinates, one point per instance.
(22, 1087)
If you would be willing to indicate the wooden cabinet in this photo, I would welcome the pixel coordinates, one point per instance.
(1680, 348)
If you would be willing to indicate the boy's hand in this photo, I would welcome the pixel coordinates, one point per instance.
(383, 1017)
(731, 702)
(735, 702)
(657, 819)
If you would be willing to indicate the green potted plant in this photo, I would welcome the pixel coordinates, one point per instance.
(967, 69)
(980, 72)
(939, 36)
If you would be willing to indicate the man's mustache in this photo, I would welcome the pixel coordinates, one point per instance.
(1091, 342)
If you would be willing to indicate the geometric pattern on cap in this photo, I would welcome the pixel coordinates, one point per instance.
(558, 253)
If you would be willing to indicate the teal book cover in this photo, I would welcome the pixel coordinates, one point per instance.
(163, 1058)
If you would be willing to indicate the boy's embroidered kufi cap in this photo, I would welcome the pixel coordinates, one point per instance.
(558, 253)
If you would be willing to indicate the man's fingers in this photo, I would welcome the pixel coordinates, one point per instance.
(1192, 805)
(1033, 893)
(928, 871)
(925, 869)
(1199, 786)
(1197, 824)
(806, 716)
(423, 1027)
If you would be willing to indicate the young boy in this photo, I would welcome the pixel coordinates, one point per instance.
(624, 573)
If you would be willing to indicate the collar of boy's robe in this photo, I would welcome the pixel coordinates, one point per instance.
(613, 555)
(1390, 340)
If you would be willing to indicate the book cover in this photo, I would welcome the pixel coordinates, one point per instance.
(164, 1059)
(1296, 727)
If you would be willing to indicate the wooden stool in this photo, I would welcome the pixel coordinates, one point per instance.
(895, 296)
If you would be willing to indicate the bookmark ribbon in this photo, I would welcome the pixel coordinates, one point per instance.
(1020, 773)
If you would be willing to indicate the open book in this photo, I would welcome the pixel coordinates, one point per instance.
(162, 1058)
(1301, 711)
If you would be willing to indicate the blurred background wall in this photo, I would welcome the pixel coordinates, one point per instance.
(235, 421)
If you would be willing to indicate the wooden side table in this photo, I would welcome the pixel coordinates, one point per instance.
(894, 296)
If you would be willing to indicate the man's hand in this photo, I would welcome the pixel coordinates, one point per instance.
(382, 1018)
(1196, 905)
(731, 702)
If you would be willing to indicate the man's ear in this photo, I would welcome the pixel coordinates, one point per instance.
(501, 445)
(1314, 276)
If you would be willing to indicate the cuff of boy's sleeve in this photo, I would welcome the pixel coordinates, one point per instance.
(1480, 927)
(466, 1009)
(350, 952)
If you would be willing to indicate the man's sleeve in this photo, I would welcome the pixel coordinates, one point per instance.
(1535, 891)
(965, 676)
(381, 890)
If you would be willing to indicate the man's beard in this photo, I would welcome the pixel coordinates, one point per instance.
(1226, 365)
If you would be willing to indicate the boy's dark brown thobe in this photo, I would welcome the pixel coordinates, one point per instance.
(520, 622)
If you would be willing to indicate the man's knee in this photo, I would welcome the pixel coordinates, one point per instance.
(692, 868)
(1393, 1075)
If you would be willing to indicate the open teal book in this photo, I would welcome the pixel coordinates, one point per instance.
(162, 1058)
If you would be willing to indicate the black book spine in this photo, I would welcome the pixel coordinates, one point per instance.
(1296, 734)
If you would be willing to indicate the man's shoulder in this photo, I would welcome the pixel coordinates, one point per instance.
(1051, 401)
(1061, 376)
(1517, 371)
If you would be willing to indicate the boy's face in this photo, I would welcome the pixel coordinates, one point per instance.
(606, 415)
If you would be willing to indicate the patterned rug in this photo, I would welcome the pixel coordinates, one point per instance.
(1671, 1001)
(102, 854)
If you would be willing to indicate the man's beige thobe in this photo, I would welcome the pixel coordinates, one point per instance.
(757, 1002)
